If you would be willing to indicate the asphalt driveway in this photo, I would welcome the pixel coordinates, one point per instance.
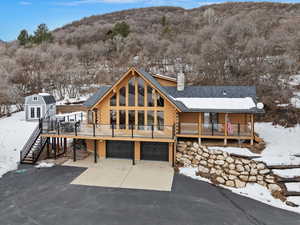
(45, 196)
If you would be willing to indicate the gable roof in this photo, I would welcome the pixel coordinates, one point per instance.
(173, 95)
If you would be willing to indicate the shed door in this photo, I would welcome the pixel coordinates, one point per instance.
(154, 151)
(119, 149)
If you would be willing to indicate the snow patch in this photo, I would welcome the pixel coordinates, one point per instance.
(254, 191)
(287, 173)
(14, 132)
(235, 150)
(44, 165)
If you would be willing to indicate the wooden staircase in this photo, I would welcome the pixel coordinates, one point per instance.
(33, 148)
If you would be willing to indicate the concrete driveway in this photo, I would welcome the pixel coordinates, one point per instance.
(120, 173)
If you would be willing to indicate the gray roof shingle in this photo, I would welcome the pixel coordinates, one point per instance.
(49, 99)
(95, 97)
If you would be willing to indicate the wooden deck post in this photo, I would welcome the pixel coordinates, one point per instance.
(65, 145)
(55, 147)
(252, 129)
(95, 151)
(225, 128)
(199, 128)
(48, 147)
(74, 150)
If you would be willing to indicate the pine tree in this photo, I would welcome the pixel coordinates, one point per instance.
(42, 34)
(122, 29)
(23, 37)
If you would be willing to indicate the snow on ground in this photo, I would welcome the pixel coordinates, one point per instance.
(68, 100)
(254, 191)
(294, 80)
(14, 132)
(288, 173)
(44, 165)
(294, 186)
(281, 144)
(236, 150)
(295, 101)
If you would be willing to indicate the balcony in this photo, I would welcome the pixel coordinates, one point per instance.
(215, 130)
(81, 129)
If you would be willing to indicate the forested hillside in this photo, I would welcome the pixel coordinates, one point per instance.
(232, 43)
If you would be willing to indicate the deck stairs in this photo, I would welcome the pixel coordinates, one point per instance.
(33, 148)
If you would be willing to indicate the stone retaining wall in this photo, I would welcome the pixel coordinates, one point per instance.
(222, 168)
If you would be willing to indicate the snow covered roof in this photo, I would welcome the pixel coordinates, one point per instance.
(246, 103)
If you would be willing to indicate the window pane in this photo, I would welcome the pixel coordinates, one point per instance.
(90, 116)
(150, 95)
(141, 120)
(150, 118)
(38, 112)
(113, 117)
(122, 96)
(160, 100)
(113, 100)
(160, 120)
(131, 117)
(122, 115)
(141, 90)
(32, 112)
(131, 92)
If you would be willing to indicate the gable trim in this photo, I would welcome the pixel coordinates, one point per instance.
(132, 70)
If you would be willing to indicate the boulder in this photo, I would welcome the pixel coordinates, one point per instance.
(205, 154)
(211, 161)
(212, 171)
(245, 173)
(229, 183)
(198, 157)
(243, 178)
(261, 182)
(264, 171)
(220, 180)
(220, 157)
(218, 172)
(225, 165)
(203, 162)
(259, 178)
(200, 152)
(237, 161)
(270, 181)
(217, 152)
(219, 162)
(247, 167)
(253, 172)
(239, 183)
(274, 187)
(229, 159)
(252, 179)
(195, 161)
(204, 148)
(231, 166)
(233, 172)
(224, 176)
(232, 177)
(195, 145)
(260, 166)
(188, 143)
(245, 161)
(225, 154)
(253, 165)
(239, 168)
(203, 169)
(212, 156)
(210, 165)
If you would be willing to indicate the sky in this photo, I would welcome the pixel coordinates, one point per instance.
(16, 15)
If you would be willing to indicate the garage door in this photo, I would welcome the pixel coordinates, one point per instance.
(154, 151)
(119, 149)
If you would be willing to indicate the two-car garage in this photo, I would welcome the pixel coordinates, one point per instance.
(158, 151)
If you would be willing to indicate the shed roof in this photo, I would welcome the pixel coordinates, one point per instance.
(49, 99)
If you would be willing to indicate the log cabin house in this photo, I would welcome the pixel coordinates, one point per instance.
(142, 116)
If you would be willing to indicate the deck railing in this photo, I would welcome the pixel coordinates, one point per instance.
(216, 129)
(81, 128)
